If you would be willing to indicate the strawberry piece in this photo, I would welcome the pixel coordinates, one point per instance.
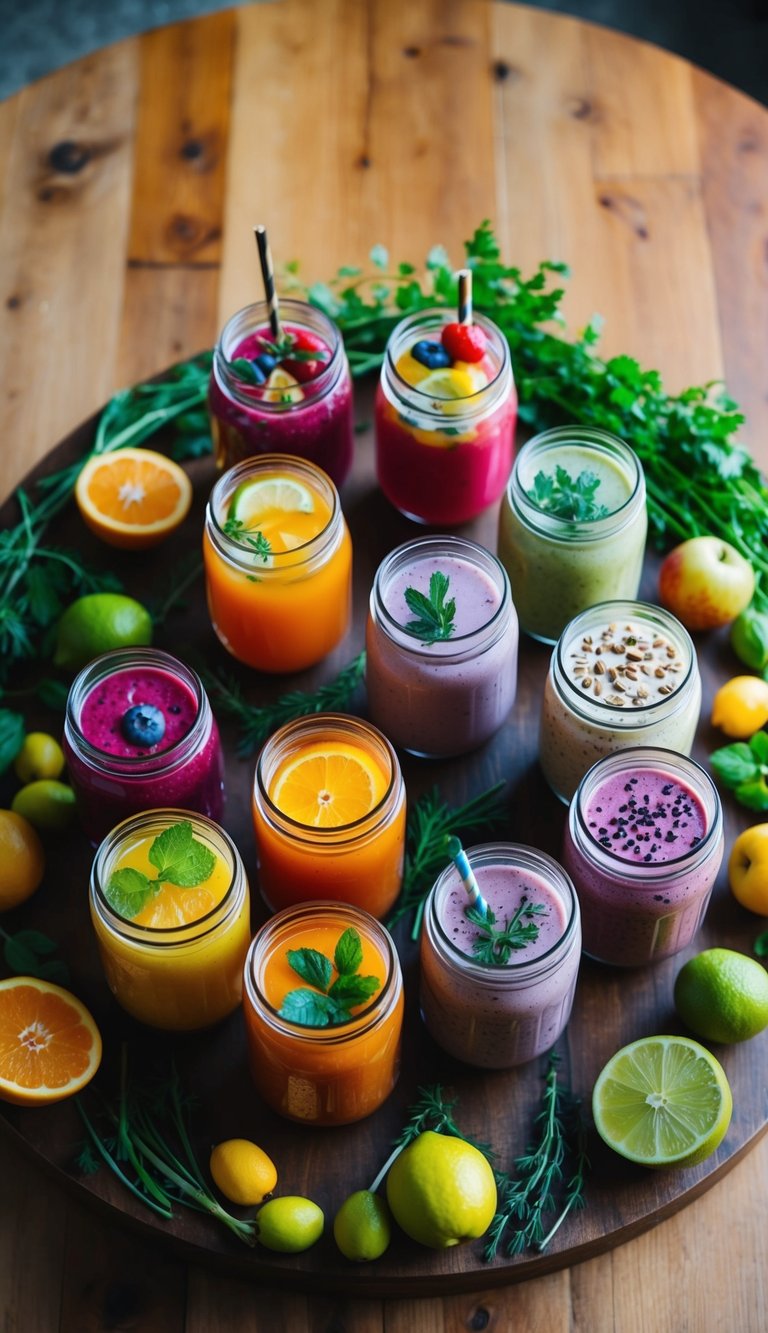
(464, 342)
(304, 341)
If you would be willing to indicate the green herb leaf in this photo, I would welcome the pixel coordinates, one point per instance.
(734, 764)
(311, 1009)
(180, 858)
(12, 733)
(128, 892)
(749, 638)
(495, 944)
(350, 991)
(316, 1008)
(348, 954)
(259, 544)
(761, 945)
(28, 953)
(567, 497)
(754, 794)
(758, 744)
(311, 966)
(434, 616)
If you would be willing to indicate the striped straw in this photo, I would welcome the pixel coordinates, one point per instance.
(268, 274)
(465, 296)
(459, 858)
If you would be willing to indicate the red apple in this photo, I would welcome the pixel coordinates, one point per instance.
(705, 582)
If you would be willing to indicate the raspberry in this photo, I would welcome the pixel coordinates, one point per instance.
(303, 341)
(464, 342)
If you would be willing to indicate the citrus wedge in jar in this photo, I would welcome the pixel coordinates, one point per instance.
(328, 784)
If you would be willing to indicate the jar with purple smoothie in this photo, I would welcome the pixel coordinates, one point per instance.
(139, 733)
(293, 396)
(441, 645)
(643, 845)
(490, 1006)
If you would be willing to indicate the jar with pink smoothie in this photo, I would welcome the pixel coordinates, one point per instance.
(292, 396)
(139, 733)
(503, 1008)
(441, 646)
(643, 845)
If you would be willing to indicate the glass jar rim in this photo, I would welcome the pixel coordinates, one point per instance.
(257, 313)
(240, 552)
(431, 318)
(568, 529)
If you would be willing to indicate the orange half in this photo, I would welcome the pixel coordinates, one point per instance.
(50, 1046)
(133, 497)
(328, 784)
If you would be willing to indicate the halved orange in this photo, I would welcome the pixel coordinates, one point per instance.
(133, 497)
(328, 784)
(50, 1046)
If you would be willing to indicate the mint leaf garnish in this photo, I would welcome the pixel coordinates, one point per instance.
(567, 497)
(434, 616)
(311, 966)
(128, 892)
(311, 1009)
(348, 954)
(351, 991)
(328, 1004)
(178, 858)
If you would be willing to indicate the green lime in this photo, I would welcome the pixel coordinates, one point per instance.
(722, 995)
(289, 1224)
(441, 1190)
(39, 757)
(96, 624)
(662, 1101)
(361, 1227)
(47, 804)
(255, 498)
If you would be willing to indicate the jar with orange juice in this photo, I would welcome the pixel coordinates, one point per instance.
(171, 910)
(329, 814)
(323, 1008)
(278, 563)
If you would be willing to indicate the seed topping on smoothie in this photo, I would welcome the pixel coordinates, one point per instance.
(648, 817)
(434, 616)
(626, 666)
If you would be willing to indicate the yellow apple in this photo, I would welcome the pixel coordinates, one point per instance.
(748, 869)
(705, 582)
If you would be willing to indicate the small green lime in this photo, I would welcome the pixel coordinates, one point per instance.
(722, 995)
(289, 1224)
(47, 804)
(361, 1227)
(39, 757)
(96, 624)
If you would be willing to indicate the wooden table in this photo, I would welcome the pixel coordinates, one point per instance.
(132, 180)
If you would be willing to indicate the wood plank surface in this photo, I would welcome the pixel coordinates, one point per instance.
(694, 180)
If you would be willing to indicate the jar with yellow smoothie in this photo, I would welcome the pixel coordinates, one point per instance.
(572, 526)
(170, 906)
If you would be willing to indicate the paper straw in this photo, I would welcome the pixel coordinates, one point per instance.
(459, 858)
(268, 274)
(465, 296)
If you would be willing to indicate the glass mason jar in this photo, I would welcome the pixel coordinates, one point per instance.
(449, 696)
(113, 776)
(622, 674)
(559, 566)
(180, 977)
(358, 862)
(638, 903)
(322, 1075)
(444, 449)
(310, 416)
(485, 1014)
(287, 610)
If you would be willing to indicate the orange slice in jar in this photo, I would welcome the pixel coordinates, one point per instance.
(327, 785)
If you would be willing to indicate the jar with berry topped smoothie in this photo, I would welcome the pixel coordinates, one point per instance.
(291, 394)
(445, 416)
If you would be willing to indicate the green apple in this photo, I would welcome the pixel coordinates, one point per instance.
(705, 582)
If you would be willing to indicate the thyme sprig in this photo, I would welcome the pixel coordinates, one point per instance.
(258, 721)
(429, 1111)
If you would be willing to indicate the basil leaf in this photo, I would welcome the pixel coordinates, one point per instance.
(311, 966)
(758, 744)
(753, 794)
(734, 764)
(348, 954)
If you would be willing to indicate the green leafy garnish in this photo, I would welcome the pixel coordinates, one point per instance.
(258, 543)
(282, 349)
(12, 733)
(178, 858)
(28, 953)
(761, 945)
(434, 616)
(495, 944)
(564, 496)
(743, 769)
(328, 1002)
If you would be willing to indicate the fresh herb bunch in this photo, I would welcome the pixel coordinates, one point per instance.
(569, 497)
(29, 953)
(433, 615)
(179, 858)
(430, 822)
(329, 1001)
(495, 944)
(258, 721)
(526, 1197)
(743, 769)
(12, 731)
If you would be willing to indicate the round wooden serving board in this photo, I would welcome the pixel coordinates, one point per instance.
(612, 1007)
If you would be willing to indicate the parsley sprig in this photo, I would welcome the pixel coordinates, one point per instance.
(568, 497)
(433, 615)
(743, 769)
(329, 1001)
(244, 536)
(495, 945)
(179, 859)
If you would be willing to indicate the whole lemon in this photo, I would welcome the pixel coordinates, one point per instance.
(361, 1227)
(740, 707)
(289, 1224)
(96, 624)
(748, 869)
(242, 1171)
(22, 859)
(722, 995)
(39, 757)
(441, 1190)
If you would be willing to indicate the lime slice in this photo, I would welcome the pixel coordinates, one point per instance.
(253, 499)
(282, 388)
(662, 1101)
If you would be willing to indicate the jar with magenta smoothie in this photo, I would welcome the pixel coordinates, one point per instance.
(485, 1004)
(292, 395)
(171, 911)
(278, 563)
(445, 418)
(622, 674)
(329, 814)
(572, 526)
(138, 733)
(324, 1045)
(441, 646)
(643, 845)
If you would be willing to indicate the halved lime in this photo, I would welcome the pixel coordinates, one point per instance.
(254, 499)
(662, 1101)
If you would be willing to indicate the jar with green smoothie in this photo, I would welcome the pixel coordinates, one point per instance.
(572, 526)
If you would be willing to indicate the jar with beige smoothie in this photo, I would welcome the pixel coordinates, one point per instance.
(572, 526)
(622, 673)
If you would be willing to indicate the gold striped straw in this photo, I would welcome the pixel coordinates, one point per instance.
(268, 274)
(465, 296)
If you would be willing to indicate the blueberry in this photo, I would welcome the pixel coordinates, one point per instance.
(432, 355)
(265, 363)
(143, 725)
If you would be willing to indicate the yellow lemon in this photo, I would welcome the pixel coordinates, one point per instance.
(39, 757)
(748, 869)
(441, 1190)
(740, 707)
(242, 1171)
